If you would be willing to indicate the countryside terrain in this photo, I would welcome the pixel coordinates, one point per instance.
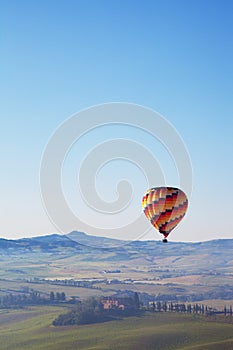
(32, 329)
(81, 266)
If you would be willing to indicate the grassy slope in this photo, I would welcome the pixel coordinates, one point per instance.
(32, 330)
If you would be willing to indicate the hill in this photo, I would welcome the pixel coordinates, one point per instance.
(174, 271)
(32, 329)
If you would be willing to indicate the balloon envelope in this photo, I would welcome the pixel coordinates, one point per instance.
(165, 207)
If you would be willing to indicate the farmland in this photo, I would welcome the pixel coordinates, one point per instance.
(176, 272)
(32, 329)
(173, 272)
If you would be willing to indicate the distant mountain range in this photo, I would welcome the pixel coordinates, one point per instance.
(210, 254)
(76, 240)
(202, 270)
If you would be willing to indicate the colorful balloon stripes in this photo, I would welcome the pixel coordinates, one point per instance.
(165, 207)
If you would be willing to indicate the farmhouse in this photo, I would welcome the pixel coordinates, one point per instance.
(112, 303)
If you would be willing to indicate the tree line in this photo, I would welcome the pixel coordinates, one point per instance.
(92, 310)
(31, 298)
(188, 308)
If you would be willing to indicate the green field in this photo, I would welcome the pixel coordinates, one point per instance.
(32, 330)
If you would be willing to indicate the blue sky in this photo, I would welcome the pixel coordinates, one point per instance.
(58, 57)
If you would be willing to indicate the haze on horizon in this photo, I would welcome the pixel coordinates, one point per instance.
(175, 57)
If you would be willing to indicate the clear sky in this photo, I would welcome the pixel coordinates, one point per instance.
(174, 56)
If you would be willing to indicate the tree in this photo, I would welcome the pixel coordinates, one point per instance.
(165, 306)
(225, 310)
(136, 301)
(159, 306)
(172, 307)
(182, 308)
(58, 296)
(63, 296)
(189, 308)
(153, 306)
(52, 296)
(90, 303)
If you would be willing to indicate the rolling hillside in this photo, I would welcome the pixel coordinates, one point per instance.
(174, 271)
(32, 329)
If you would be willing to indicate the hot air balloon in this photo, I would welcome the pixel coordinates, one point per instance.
(165, 207)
